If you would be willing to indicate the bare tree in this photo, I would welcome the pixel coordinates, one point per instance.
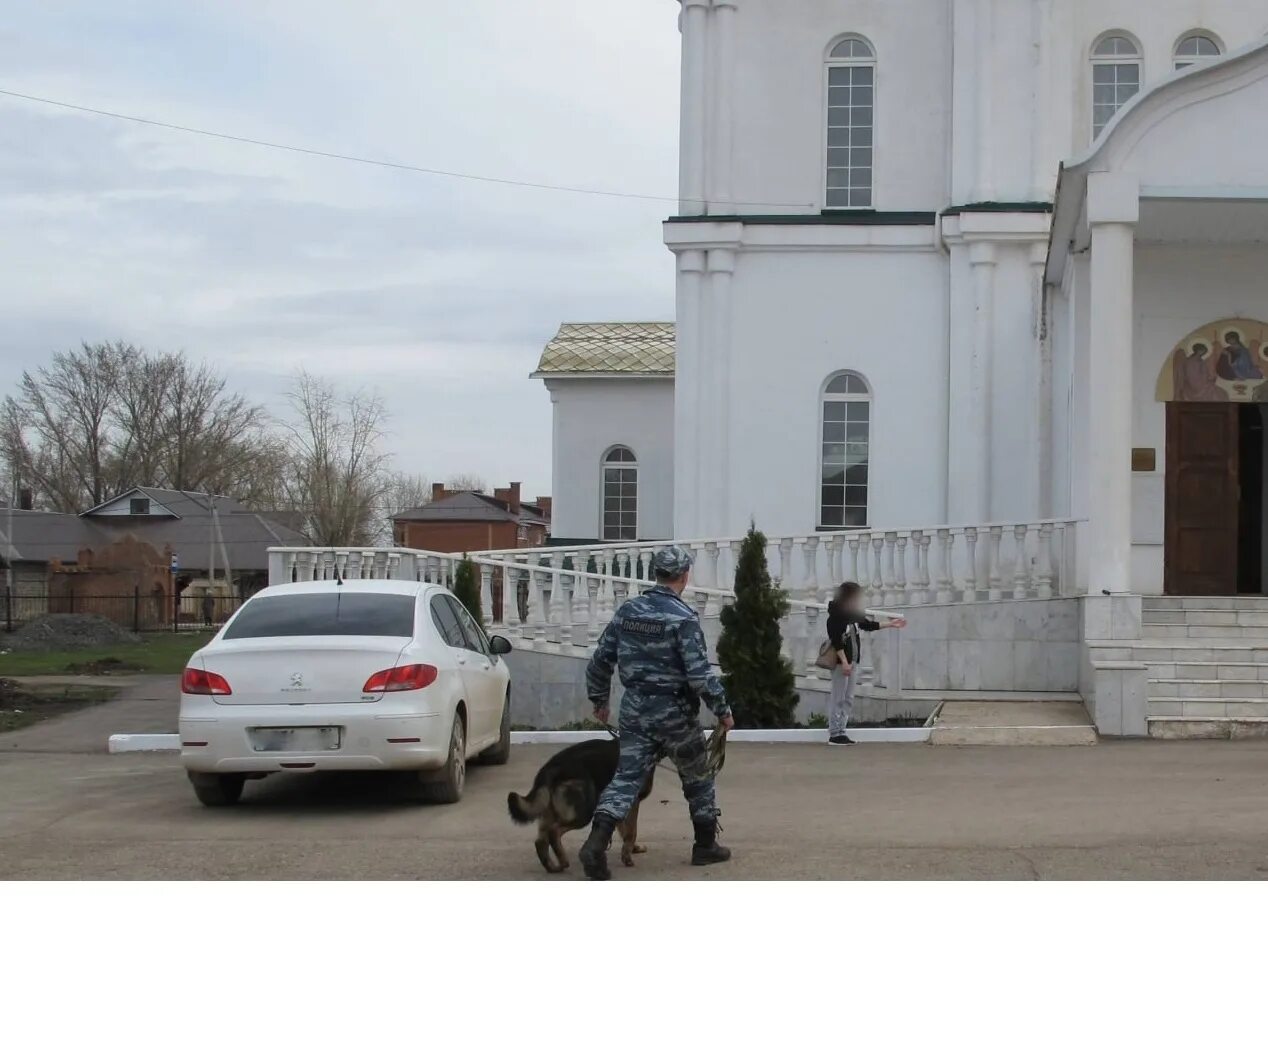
(207, 434)
(336, 473)
(107, 417)
(468, 482)
(58, 432)
(401, 492)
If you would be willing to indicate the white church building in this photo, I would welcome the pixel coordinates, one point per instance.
(945, 262)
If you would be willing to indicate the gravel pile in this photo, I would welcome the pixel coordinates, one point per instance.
(67, 632)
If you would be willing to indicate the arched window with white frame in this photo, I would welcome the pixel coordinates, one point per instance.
(1116, 76)
(620, 494)
(1196, 47)
(851, 88)
(845, 428)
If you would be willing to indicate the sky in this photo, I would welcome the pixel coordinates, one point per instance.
(438, 293)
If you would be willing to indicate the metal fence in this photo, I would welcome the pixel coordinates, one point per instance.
(137, 611)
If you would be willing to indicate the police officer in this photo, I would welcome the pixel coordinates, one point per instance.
(656, 642)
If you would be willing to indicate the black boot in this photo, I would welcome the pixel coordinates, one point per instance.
(706, 850)
(594, 852)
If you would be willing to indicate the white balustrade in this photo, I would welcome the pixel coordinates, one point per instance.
(994, 577)
(552, 595)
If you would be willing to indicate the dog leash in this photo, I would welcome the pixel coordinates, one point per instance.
(716, 751)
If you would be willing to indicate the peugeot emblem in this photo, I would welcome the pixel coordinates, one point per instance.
(297, 680)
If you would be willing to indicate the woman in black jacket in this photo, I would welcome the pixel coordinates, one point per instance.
(845, 619)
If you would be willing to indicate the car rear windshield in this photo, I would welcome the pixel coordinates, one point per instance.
(324, 615)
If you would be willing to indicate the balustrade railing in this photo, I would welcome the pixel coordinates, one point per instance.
(545, 605)
(942, 564)
(565, 596)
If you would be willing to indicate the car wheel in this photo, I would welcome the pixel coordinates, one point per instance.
(446, 784)
(217, 789)
(500, 753)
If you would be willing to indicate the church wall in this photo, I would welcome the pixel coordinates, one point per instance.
(799, 318)
(1178, 290)
(1156, 26)
(591, 416)
(779, 98)
(1022, 77)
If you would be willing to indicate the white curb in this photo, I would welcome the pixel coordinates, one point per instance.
(913, 735)
(121, 743)
(144, 741)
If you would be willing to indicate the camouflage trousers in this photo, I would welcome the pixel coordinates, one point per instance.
(653, 728)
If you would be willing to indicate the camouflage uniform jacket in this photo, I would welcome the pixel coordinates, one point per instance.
(656, 644)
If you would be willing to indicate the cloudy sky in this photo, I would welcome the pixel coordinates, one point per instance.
(438, 292)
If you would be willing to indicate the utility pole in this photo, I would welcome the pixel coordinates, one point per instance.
(8, 560)
(224, 552)
(211, 542)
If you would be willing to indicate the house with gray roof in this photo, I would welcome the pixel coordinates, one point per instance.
(612, 460)
(189, 527)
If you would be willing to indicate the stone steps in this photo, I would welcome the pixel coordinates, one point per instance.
(1150, 630)
(1207, 728)
(1205, 603)
(1206, 663)
(1176, 650)
(1013, 723)
(1205, 688)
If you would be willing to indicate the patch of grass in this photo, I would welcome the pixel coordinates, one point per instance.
(20, 707)
(159, 653)
(817, 721)
(898, 721)
(585, 725)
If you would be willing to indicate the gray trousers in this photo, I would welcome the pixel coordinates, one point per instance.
(840, 700)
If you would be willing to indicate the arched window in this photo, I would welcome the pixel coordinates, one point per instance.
(620, 494)
(851, 95)
(845, 431)
(1115, 77)
(1195, 48)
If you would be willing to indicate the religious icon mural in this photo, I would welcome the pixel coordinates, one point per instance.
(1224, 361)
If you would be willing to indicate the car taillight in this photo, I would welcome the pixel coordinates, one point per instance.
(204, 683)
(402, 678)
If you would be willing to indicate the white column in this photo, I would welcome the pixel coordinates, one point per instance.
(721, 93)
(1113, 207)
(693, 23)
(715, 512)
(982, 258)
(1043, 353)
(690, 393)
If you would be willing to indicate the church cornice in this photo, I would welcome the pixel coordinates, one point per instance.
(827, 217)
(998, 207)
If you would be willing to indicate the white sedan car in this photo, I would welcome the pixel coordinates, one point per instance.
(358, 675)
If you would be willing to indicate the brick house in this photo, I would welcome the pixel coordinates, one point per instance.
(466, 521)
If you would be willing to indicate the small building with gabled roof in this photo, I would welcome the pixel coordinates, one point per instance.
(612, 461)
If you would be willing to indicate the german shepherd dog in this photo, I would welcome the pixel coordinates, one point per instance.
(564, 795)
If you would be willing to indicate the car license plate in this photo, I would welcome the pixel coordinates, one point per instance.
(309, 738)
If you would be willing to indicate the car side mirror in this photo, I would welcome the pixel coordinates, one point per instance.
(499, 646)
